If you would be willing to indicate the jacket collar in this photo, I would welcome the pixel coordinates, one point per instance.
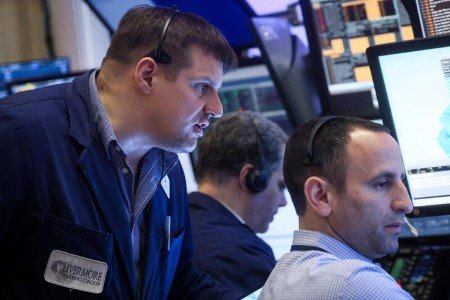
(82, 126)
(211, 204)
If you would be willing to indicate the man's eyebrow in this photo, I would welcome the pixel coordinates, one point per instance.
(209, 81)
(389, 175)
(385, 174)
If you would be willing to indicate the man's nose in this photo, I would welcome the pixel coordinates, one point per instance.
(402, 201)
(213, 107)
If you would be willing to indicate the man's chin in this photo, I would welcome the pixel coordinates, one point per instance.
(184, 147)
(264, 228)
(189, 149)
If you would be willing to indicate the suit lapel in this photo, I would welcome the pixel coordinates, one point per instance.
(99, 175)
(101, 179)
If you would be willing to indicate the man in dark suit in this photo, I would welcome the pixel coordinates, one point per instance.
(92, 195)
(241, 186)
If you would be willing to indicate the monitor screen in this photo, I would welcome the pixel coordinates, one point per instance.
(17, 71)
(412, 81)
(251, 88)
(344, 29)
(347, 28)
(434, 16)
(285, 49)
(26, 85)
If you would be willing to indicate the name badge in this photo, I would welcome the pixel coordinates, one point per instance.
(75, 272)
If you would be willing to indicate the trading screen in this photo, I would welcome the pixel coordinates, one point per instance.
(418, 88)
(348, 28)
(38, 83)
(17, 71)
(251, 88)
(434, 16)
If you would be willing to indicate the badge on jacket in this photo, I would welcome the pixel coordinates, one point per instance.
(75, 272)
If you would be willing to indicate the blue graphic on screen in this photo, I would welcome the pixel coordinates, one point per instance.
(17, 71)
(444, 135)
(35, 84)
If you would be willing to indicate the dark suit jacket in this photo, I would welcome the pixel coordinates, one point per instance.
(227, 249)
(58, 191)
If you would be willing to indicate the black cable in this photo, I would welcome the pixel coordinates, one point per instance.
(48, 38)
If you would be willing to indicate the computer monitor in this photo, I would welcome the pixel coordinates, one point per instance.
(26, 85)
(344, 29)
(110, 12)
(434, 16)
(230, 16)
(412, 82)
(16, 71)
(251, 88)
(292, 66)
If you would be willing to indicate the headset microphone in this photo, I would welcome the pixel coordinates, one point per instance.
(411, 228)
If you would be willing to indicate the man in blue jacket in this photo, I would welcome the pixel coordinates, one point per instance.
(241, 187)
(92, 196)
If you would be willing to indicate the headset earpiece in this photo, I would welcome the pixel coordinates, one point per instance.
(256, 180)
(159, 55)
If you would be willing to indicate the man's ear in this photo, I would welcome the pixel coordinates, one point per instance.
(143, 74)
(243, 173)
(317, 194)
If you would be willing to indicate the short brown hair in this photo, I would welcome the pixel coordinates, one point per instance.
(237, 139)
(329, 148)
(140, 29)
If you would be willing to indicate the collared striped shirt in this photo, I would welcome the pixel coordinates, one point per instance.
(338, 272)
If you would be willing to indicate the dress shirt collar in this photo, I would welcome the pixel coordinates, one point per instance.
(99, 113)
(327, 243)
(234, 213)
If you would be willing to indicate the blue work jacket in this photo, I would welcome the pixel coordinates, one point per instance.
(58, 191)
(223, 245)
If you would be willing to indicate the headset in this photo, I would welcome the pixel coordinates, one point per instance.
(159, 55)
(310, 151)
(256, 180)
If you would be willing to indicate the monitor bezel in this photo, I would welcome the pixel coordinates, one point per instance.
(373, 55)
(308, 107)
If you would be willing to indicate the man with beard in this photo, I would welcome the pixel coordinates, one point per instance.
(345, 176)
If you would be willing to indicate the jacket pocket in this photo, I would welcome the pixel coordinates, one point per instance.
(75, 241)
